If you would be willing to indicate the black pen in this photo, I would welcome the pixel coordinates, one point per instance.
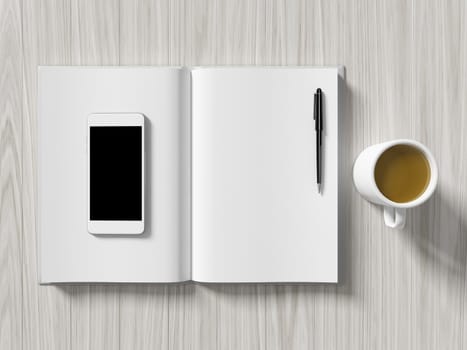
(318, 117)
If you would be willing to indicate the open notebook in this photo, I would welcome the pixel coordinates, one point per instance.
(231, 175)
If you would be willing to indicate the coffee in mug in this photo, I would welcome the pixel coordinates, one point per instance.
(402, 173)
(397, 174)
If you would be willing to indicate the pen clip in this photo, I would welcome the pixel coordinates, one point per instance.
(315, 107)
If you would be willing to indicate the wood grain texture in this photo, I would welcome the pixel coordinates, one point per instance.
(10, 175)
(193, 317)
(95, 40)
(144, 40)
(439, 240)
(406, 68)
(46, 40)
(229, 316)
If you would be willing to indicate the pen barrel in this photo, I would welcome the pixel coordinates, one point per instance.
(318, 157)
(318, 117)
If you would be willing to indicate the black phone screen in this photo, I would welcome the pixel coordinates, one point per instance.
(115, 172)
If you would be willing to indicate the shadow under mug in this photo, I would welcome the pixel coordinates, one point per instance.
(364, 180)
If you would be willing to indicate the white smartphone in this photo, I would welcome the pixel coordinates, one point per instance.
(116, 173)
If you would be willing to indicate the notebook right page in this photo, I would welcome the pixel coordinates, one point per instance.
(257, 215)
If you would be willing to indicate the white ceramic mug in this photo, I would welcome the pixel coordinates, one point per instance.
(364, 179)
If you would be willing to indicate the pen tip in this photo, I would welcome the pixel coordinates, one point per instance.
(318, 91)
(319, 188)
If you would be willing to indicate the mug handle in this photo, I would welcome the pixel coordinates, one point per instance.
(394, 217)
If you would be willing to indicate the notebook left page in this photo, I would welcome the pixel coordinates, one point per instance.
(67, 251)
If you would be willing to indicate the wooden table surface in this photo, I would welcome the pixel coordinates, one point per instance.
(407, 77)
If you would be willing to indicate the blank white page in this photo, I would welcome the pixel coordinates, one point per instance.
(67, 251)
(256, 213)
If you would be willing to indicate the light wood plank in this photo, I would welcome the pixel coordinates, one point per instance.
(95, 40)
(144, 317)
(30, 288)
(152, 33)
(10, 175)
(46, 38)
(387, 284)
(104, 317)
(439, 240)
(299, 316)
(193, 317)
(95, 32)
(216, 317)
(145, 32)
(144, 40)
(231, 38)
(324, 317)
(241, 316)
(80, 317)
(229, 317)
